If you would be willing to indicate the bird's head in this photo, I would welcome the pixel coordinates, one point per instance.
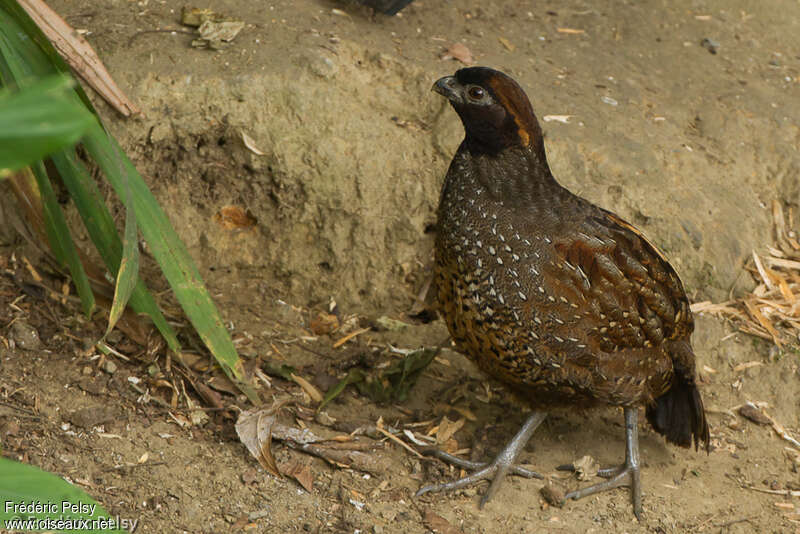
(494, 109)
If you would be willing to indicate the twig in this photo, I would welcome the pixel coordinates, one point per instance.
(785, 493)
(77, 52)
(399, 441)
(133, 466)
(734, 521)
(349, 336)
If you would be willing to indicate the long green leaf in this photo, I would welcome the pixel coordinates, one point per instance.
(31, 49)
(13, 68)
(22, 486)
(60, 239)
(128, 273)
(27, 55)
(38, 121)
(170, 253)
(103, 233)
(164, 243)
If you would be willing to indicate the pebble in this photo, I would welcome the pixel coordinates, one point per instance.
(322, 66)
(25, 336)
(88, 418)
(710, 44)
(552, 495)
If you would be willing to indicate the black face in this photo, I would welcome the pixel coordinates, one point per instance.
(494, 109)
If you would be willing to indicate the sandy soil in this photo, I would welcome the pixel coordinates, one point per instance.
(690, 146)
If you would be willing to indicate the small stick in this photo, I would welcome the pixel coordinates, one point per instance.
(398, 441)
(785, 493)
(348, 337)
(734, 521)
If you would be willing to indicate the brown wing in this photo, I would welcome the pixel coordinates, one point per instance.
(633, 297)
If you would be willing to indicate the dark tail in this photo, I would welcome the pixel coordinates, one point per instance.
(678, 414)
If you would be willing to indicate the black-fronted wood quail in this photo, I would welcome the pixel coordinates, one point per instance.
(563, 301)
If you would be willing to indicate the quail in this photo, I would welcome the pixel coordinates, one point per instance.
(563, 301)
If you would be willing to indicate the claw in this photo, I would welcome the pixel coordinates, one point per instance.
(627, 474)
(496, 470)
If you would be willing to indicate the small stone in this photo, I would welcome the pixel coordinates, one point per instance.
(324, 419)
(25, 336)
(88, 418)
(385, 323)
(92, 385)
(748, 411)
(114, 337)
(710, 44)
(109, 367)
(9, 428)
(322, 66)
(552, 495)
(199, 417)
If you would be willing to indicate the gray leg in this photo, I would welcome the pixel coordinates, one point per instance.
(497, 470)
(627, 474)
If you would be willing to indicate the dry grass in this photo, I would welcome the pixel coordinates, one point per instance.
(772, 310)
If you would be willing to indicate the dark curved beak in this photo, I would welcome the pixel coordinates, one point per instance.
(448, 87)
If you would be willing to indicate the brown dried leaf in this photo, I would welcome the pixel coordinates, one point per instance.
(459, 52)
(301, 473)
(507, 44)
(308, 387)
(324, 323)
(439, 524)
(211, 397)
(447, 428)
(234, 218)
(250, 477)
(763, 321)
(254, 428)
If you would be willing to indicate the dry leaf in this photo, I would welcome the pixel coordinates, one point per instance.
(439, 524)
(254, 428)
(250, 144)
(308, 387)
(459, 52)
(234, 217)
(250, 477)
(747, 365)
(563, 119)
(506, 43)
(586, 468)
(324, 323)
(447, 428)
(301, 473)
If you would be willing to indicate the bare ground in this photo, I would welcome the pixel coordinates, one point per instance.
(689, 145)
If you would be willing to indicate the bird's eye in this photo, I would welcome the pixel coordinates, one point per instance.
(476, 93)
